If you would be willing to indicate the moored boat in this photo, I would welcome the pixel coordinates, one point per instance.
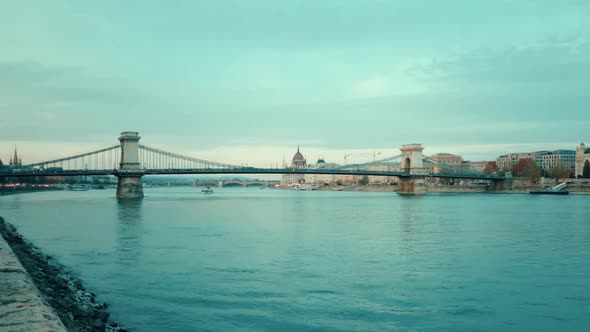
(308, 187)
(206, 190)
(549, 192)
(557, 190)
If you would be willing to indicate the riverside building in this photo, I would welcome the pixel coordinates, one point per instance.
(443, 158)
(321, 179)
(546, 160)
(582, 155)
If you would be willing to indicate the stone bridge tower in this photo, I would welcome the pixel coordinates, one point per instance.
(130, 173)
(412, 158)
(412, 164)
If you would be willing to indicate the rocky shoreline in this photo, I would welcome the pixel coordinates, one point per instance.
(75, 305)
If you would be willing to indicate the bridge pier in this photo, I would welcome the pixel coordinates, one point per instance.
(501, 184)
(129, 187)
(129, 184)
(411, 186)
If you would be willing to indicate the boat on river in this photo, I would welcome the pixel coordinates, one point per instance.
(206, 190)
(307, 187)
(557, 190)
(80, 187)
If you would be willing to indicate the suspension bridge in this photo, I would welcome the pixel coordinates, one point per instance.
(129, 161)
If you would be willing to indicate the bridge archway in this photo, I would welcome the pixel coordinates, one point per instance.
(412, 156)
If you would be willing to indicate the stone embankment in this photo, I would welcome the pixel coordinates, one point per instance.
(22, 307)
(36, 294)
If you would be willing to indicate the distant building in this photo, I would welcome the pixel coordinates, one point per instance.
(475, 166)
(297, 162)
(443, 158)
(377, 179)
(546, 160)
(557, 159)
(582, 155)
(321, 178)
(447, 158)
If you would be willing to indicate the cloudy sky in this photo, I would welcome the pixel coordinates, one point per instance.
(247, 81)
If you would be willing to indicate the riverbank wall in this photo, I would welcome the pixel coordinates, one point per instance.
(4, 191)
(22, 307)
(36, 294)
(520, 187)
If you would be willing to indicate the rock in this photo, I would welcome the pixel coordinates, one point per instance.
(99, 324)
(103, 316)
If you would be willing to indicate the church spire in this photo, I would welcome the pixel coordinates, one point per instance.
(15, 157)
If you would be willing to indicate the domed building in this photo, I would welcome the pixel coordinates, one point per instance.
(297, 162)
(582, 156)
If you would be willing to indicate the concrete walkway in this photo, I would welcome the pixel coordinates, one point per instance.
(21, 305)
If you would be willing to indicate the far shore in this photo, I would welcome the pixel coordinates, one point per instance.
(575, 190)
(521, 188)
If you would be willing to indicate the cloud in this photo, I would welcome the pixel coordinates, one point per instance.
(32, 94)
(47, 116)
(372, 87)
(551, 65)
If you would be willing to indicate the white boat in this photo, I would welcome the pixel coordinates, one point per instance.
(557, 190)
(206, 190)
(307, 187)
(80, 187)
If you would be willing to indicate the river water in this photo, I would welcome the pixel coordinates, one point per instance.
(245, 259)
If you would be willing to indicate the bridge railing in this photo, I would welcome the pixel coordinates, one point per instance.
(103, 159)
(446, 170)
(389, 163)
(152, 158)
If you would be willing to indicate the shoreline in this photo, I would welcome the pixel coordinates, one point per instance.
(75, 305)
(440, 189)
(430, 189)
(25, 191)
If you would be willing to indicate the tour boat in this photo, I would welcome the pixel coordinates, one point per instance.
(206, 190)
